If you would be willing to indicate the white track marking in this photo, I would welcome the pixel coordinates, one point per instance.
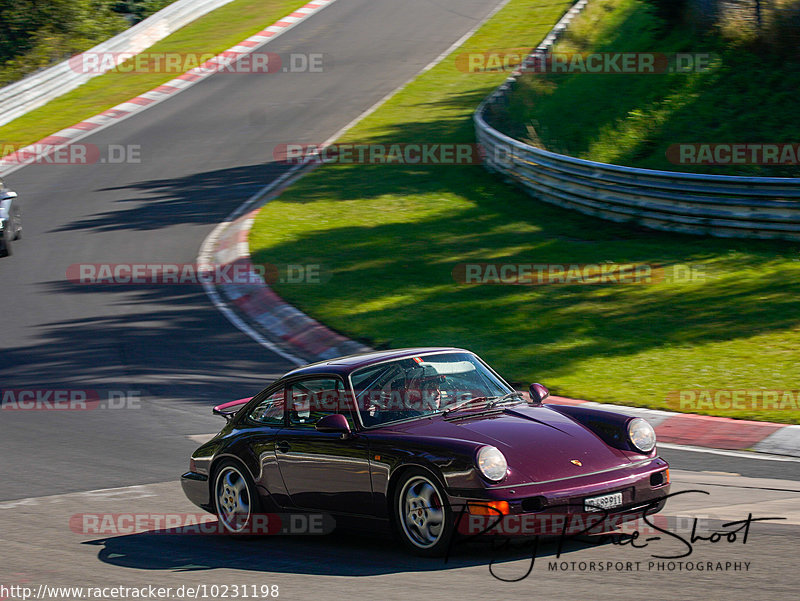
(727, 453)
(138, 491)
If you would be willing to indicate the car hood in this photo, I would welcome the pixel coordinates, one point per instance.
(539, 443)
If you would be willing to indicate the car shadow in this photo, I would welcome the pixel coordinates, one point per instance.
(342, 553)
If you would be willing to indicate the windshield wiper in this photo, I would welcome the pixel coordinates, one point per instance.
(494, 401)
(464, 403)
(506, 397)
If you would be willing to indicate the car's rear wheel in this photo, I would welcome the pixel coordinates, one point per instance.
(5, 244)
(235, 498)
(423, 518)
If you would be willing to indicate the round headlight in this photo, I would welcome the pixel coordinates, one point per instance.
(492, 463)
(641, 435)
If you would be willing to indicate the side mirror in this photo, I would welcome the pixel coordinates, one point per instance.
(538, 393)
(336, 423)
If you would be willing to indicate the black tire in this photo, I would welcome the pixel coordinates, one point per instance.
(6, 248)
(235, 498)
(422, 517)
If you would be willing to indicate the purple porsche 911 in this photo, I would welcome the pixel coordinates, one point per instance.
(431, 442)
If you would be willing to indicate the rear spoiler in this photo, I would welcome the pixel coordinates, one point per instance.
(229, 409)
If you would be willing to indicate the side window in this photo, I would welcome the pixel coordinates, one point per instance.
(310, 400)
(270, 410)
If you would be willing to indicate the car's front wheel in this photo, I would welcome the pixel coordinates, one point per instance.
(235, 498)
(423, 518)
(16, 223)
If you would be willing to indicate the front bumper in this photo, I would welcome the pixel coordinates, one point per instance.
(559, 522)
(195, 487)
(559, 508)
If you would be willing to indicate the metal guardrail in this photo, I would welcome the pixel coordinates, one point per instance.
(37, 89)
(717, 205)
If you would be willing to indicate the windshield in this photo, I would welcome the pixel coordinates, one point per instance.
(420, 386)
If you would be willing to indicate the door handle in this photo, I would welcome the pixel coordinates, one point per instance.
(282, 446)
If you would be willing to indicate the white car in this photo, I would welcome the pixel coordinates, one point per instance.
(10, 219)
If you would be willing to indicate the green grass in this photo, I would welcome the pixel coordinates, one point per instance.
(213, 33)
(744, 96)
(392, 235)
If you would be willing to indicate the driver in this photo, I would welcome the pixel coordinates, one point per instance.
(429, 390)
(420, 395)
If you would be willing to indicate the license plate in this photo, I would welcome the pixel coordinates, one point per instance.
(603, 502)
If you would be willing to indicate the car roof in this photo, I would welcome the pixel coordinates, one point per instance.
(344, 366)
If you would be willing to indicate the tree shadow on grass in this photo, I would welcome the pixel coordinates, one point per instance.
(415, 263)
